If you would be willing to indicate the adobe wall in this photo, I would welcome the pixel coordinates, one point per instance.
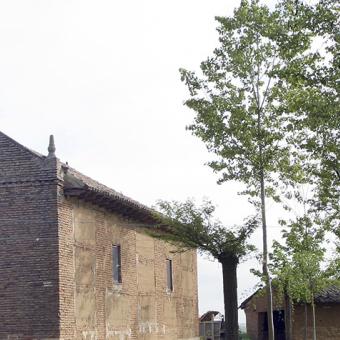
(327, 319)
(327, 322)
(257, 304)
(252, 323)
(28, 244)
(140, 307)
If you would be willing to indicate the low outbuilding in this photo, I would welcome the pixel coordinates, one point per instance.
(327, 313)
(211, 326)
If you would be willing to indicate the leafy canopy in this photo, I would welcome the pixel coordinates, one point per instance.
(299, 266)
(240, 97)
(189, 226)
(312, 92)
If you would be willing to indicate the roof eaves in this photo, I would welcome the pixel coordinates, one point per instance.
(82, 187)
(328, 295)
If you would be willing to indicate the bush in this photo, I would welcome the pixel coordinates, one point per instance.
(244, 336)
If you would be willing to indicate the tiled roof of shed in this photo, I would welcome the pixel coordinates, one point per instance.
(330, 294)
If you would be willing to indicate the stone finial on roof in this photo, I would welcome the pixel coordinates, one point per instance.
(51, 148)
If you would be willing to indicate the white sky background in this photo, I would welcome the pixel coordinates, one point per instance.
(102, 76)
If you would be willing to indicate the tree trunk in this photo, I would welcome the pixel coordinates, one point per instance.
(306, 322)
(288, 317)
(265, 258)
(314, 321)
(229, 267)
(261, 178)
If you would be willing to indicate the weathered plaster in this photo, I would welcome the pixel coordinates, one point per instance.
(140, 307)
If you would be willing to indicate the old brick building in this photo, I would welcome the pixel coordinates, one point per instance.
(75, 262)
(327, 313)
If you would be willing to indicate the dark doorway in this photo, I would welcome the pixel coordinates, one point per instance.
(279, 325)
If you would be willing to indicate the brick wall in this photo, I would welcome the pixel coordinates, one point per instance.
(28, 244)
(56, 264)
(66, 262)
(140, 307)
(327, 319)
(327, 322)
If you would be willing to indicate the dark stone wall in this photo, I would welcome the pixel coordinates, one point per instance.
(29, 283)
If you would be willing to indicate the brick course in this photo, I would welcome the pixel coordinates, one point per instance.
(56, 263)
(327, 318)
(28, 244)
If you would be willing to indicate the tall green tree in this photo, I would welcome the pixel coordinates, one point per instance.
(311, 84)
(188, 226)
(239, 100)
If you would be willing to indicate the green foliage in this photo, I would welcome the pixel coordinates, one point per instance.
(267, 100)
(266, 105)
(244, 336)
(312, 88)
(239, 98)
(335, 265)
(299, 265)
(189, 226)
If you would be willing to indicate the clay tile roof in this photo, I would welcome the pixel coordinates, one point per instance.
(83, 187)
(329, 295)
(23, 147)
(79, 185)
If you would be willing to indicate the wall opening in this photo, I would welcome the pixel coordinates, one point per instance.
(116, 264)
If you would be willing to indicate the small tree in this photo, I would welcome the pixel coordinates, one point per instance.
(297, 266)
(281, 268)
(190, 227)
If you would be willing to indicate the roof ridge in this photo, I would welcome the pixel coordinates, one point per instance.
(93, 187)
(35, 153)
(330, 293)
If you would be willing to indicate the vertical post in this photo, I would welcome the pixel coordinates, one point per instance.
(306, 322)
(314, 320)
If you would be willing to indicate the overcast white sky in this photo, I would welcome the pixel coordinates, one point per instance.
(102, 76)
